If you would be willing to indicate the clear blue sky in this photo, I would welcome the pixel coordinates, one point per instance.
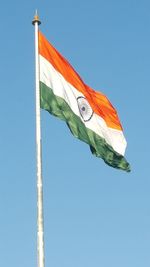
(95, 216)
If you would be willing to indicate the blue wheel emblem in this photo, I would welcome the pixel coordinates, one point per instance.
(85, 109)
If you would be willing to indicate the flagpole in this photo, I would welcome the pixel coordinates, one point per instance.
(40, 228)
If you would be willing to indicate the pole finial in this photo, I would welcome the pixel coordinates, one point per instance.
(36, 19)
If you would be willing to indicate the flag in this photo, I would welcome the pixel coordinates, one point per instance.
(89, 114)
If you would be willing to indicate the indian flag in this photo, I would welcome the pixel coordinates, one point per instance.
(89, 114)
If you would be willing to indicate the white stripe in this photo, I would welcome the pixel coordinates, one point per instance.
(55, 81)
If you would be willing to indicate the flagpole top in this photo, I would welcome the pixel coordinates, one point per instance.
(36, 19)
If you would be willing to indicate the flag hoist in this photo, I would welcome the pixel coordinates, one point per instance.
(40, 229)
(89, 114)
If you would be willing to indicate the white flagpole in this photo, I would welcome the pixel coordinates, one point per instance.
(40, 229)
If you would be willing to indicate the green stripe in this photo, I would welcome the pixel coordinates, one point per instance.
(58, 107)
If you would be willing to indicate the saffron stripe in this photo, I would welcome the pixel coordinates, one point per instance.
(99, 102)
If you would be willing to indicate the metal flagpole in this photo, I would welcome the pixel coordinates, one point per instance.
(40, 229)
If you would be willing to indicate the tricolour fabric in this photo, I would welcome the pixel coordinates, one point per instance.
(89, 114)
